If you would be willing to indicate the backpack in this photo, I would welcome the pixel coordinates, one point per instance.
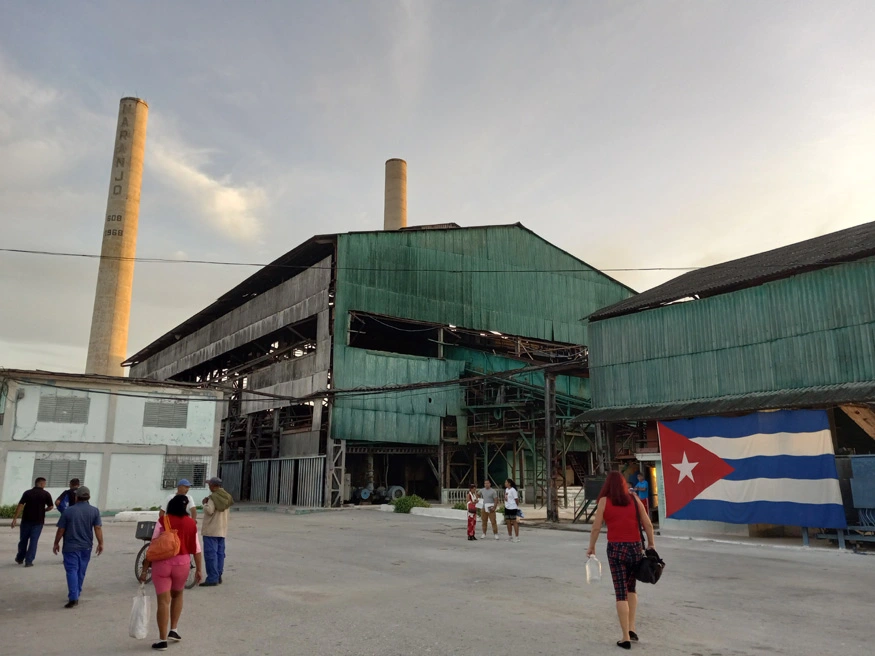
(165, 546)
(64, 501)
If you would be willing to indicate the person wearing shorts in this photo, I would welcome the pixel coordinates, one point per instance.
(625, 515)
(169, 575)
(511, 510)
(489, 496)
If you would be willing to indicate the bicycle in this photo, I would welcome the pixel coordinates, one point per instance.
(144, 533)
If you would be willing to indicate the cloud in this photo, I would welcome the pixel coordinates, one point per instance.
(230, 209)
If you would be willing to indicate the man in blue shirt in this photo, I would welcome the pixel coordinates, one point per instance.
(75, 527)
(642, 487)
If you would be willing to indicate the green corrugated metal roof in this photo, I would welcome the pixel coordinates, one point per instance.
(797, 398)
(813, 330)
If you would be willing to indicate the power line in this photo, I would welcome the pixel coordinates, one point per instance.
(422, 387)
(301, 267)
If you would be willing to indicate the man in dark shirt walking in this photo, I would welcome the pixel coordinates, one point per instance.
(75, 527)
(32, 509)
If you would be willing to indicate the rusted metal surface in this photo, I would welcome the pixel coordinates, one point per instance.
(303, 296)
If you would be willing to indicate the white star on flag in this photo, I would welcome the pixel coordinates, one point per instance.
(685, 469)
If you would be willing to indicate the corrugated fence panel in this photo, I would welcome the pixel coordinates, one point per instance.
(812, 329)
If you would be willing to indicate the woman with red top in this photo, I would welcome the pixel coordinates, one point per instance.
(471, 504)
(624, 514)
(170, 575)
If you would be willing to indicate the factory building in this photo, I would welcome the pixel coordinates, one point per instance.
(473, 325)
(791, 328)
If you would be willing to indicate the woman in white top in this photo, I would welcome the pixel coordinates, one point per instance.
(511, 510)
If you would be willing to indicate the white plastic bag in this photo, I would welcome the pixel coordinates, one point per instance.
(138, 627)
(593, 570)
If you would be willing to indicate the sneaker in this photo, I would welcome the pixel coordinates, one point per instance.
(71, 604)
(496, 536)
(173, 635)
(509, 539)
(516, 540)
(28, 564)
(220, 580)
(482, 537)
(161, 645)
(207, 584)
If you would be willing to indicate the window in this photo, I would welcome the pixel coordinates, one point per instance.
(63, 409)
(194, 468)
(165, 414)
(59, 469)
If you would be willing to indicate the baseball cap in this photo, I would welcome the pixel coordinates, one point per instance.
(215, 480)
(82, 491)
(185, 482)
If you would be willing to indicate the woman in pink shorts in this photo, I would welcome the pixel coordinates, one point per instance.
(170, 575)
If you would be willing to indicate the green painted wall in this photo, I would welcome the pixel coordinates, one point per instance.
(409, 274)
(816, 328)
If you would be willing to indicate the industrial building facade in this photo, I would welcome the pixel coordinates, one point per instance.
(314, 344)
(785, 329)
(129, 441)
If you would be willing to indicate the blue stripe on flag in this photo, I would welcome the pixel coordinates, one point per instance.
(782, 421)
(799, 467)
(826, 515)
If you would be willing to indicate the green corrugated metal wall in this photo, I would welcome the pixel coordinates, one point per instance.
(532, 304)
(410, 417)
(481, 362)
(816, 328)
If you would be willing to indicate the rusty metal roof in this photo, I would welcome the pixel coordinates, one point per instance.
(835, 248)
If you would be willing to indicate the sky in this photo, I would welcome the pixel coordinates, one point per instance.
(633, 135)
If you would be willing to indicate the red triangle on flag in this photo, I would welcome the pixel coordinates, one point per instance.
(687, 469)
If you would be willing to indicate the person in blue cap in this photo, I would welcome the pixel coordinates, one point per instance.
(181, 488)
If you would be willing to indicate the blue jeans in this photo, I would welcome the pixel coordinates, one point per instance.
(214, 557)
(29, 533)
(76, 564)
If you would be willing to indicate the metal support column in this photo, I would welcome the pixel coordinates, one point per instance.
(549, 428)
(247, 457)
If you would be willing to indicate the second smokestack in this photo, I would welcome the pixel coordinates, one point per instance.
(395, 203)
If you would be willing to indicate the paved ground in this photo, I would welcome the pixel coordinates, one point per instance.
(361, 582)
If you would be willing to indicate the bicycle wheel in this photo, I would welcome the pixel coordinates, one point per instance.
(190, 581)
(138, 564)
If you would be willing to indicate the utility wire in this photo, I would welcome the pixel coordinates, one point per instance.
(352, 392)
(300, 267)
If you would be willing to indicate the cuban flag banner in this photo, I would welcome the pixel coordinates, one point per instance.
(761, 468)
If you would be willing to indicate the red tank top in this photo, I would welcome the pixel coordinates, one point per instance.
(622, 522)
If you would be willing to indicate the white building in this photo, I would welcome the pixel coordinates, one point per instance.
(128, 440)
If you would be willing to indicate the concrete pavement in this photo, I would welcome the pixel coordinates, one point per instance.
(360, 582)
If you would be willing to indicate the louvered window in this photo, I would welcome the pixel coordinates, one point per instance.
(59, 472)
(194, 468)
(165, 414)
(64, 409)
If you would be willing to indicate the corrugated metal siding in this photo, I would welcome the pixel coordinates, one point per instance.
(409, 275)
(813, 329)
(410, 417)
(481, 362)
(539, 305)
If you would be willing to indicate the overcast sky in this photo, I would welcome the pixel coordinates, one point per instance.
(631, 134)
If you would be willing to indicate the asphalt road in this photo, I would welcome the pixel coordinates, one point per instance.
(362, 582)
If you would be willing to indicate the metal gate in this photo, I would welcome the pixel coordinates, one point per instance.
(231, 473)
(288, 481)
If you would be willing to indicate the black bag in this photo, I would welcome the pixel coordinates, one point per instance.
(649, 569)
